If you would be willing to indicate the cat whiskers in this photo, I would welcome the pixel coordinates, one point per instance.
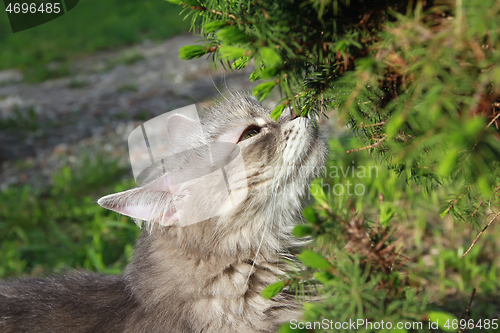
(256, 255)
(213, 82)
(266, 225)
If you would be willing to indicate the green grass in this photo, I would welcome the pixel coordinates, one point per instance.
(92, 25)
(50, 230)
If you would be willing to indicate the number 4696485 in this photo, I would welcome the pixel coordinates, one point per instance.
(463, 324)
(32, 8)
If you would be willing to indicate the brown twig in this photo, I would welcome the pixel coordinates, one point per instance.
(211, 49)
(367, 147)
(456, 200)
(490, 123)
(266, 15)
(477, 208)
(322, 100)
(476, 49)
(371, 125)
(204, 9)
(464, 315)
(479, 235)
(493, 120)
(492, 193)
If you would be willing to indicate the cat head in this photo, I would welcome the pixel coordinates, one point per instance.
(245, 180)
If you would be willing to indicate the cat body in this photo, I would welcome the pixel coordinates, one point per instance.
(199, 277)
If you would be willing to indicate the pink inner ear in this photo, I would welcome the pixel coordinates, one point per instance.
(144, 203)
(138, 212)
(168, 217)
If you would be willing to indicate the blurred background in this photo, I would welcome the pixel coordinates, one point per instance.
(71, 91)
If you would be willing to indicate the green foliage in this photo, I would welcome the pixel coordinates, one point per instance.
(366, 275)
(432, 111)
(231, 52)
(273, 289)
(302, 230)
(191, 52)
(45, 231)
(417, 82)
(314, 260)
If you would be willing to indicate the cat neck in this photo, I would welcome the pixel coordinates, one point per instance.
(205, 243)
(168, 280)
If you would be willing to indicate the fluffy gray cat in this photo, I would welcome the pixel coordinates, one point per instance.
(201, 277)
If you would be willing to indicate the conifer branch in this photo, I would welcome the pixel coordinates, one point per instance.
(379, 141)
(371, 125)
(480, 233)
(205, 9)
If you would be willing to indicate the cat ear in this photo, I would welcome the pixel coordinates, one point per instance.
(184, 133)
(209, 186)
(153, 203)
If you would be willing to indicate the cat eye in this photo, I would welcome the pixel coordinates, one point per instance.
(250, 131)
